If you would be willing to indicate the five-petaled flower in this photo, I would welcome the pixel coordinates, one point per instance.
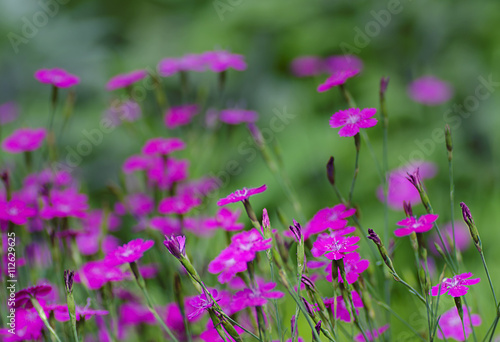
(412, 224)
(352, 120)
(241, 195)
(337, 78)
(456, 286)
(334, 246)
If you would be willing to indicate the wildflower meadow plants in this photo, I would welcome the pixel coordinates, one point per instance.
(166, 254)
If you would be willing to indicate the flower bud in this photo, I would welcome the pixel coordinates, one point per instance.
(472, 226)
(176, 245)
(330, 170)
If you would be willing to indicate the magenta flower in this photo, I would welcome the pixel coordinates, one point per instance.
(57, 77)
(95, 274)
(411, 224)
(164, 174)
(139, 204)
(430, 91)
(163, 146)
(24, 140)
(335, 247)
(226, 219)
(16, 211)
(29, 327)
(450, 324)
(333, 218)
(23, 297)
(241, 195)
(130, 252)
(202, 303)
(199, 187)
(238, 116)
(180, 115)
(212, 335)
(199, 226)
(462, 237)
(168, 67)
(219, 61)
(375, 333)
(61, 312)
(178, 204)
(8, 112)
(336, 79)
(343, 63)
(228, 263)
(126, 80)
(353, 265)
(192, 62)
(176, 245)
(64, 203)
(456, 286)
(307, 66)
(166, 225)
(251, 242)
(256, 297)
(352, 120)
(128, 111)
(137, 163)
(338, 306)
(135, 314)
(88, 243)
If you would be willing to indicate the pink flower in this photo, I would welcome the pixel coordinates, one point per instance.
(219, 61)
(241, 195)
(61, 313)
(333, 218)
(29, 326)
(24, 139)
(57, 77)
(163, 146)
(202, 303)
(8, 112)
(462, 237)
(16, 211)
(226, 219)
(164, 174)
(237, 116)
(192, 62)
(130, 252)
(125, 80)
(176, 245)
(375, 333)
(137, 163)
(212, 335)
(135, 314)
(343, 63)
(228, 263)
(88, 243)
(411, 224)
(95, 274)
(178, 204)
(340, 310)
(430, 91)
(166, 225)
(128, 111)
(335, 247)
(180, 115)
(353, 265)
(251, 242)
(337, 78)
(23, 297)
(456, 286)
(400, 189)
(450, 324)
(168, 67)
(257, 296)
(64, 203)
(139, 204)
(307, 66)
(353, 119)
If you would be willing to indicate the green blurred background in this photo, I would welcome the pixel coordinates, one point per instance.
(457, 41)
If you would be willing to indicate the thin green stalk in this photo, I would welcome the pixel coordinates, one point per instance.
(356, 168)
(452, 205)
(43, 317)
(489, 278)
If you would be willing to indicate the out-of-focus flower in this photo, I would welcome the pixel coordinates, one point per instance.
(307, 66)
(462, 237)
(57, 77)
(411, 224)
(178, 204)
(257, 296)
(29, 327)
(126, 80)
(219, 61)
(23, 297)
(352, 119)
(375, 333)
(430, 91)
(24, 140)
(336, 79)
(237, 116)
(135, 314)
(64, 203)
(202, 303)
(130, 252)
(340, 310)
(139, 204)
(241, 195)
(94, 274)
(456, 286)
(128, 111)
(180, 115)
(163, 146)
(450, 324)
(343, 63)
(166, 225)
(16, 211)
(226, 219)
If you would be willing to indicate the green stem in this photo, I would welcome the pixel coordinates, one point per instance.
(356, 169)
(43, 317)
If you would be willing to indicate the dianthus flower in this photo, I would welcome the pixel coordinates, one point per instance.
(450, 324)
(251, 242)
(241, 195)
(333, 218)
(139, 204)
(192, 62)
(219, 61)
(307, 66)
(137, 162)
(352, 120)
(456, 286)
(135, 314)
(229, 262)
(226, 219)
(353, 265)
(164, 174)
(336, 79)
(16, 211)
(335, 247)
(125, 80)
(256, 296)
(202, 303)
(128, 111)
(94, 274)
(430, 91)
(178, 204)
(23, 297)
(238, 116)
(375, 333)
(29, 327)
(343, 63)
(340, 310)
(180, 115)
(163, 146)
(57, 77)
(24, 140)
(168, 67)
(176, 245)
(130, 252)
(64, 203)
(411, 224)
(166, 225)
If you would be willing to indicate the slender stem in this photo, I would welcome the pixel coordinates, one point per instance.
(43, 317)
(356, 168)
(452, 205)
(489, 279)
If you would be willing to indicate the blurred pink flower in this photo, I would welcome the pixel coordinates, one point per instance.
(334, 247)
(163, 146)
(236, 116)
(23, 297)
(135, 314)
(126, 80)
(139, 204)
(16, 211)
(257, 296)
(219, 61)
(166, 225)
(228, 263)
(226, 219)
(8, 112)
(411, 224)
(375, 333)
(307, 66)
(343, 63)
(241, 195)
(430, 91)
(57, 77)
(64, 203)
(462, 237)
(130, 252)
(352, 120)
(178, 204)
(128, 111)
(336, 79)
(137, 162)
(180, 115)
(29, 326)
(451, 325)
(353, 265)
(94, 274)
(456, 286)
(192, 62)
(168, 67)
(24, 140)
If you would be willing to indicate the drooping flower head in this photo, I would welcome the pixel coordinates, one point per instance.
(456, 286)
(180, 115)
(163, 146)
(130, 252)
(352, 119)
(241, 195)
(450, 324)
(411, 224)
(57, 77)
(430, 91)
(125, 80)
(336, 79)
(24, 140)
